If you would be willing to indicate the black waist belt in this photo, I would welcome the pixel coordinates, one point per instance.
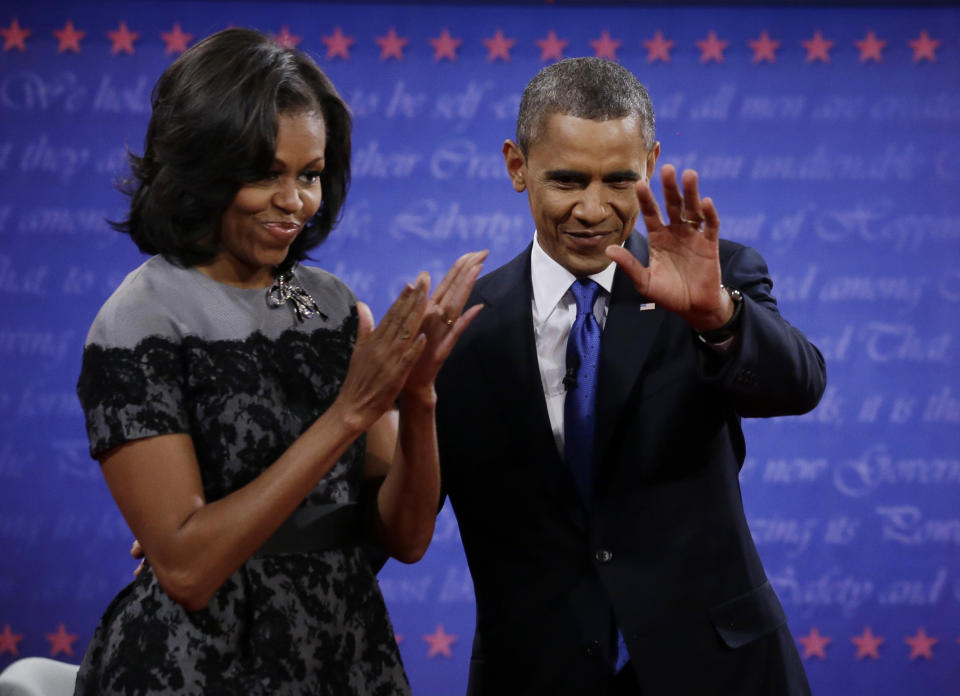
(315, 528)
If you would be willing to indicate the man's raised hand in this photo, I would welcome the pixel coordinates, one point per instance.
(683, 275)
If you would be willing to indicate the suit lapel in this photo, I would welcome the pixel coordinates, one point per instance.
(629, 332)
(512, 370)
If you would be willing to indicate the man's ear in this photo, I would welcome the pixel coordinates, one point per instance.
(516, 165)
(652, 156)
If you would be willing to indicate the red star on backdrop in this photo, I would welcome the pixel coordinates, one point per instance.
(338, 44)
(391, 45)
(498, 46)
(867, 644)
(605, 47)
(814, 644)
(69, 37)
(122, 39)
(871, 48)
(818, 48)
(921, 645)
(711, 48)
(551, 47)
(176, 39)
(14, 36)
(764, 48)
(924, 48)
(658, 48)
(285, 39)
(439, 642)
(9, 640)
(398, 637)
(445, 46)
(61, 641)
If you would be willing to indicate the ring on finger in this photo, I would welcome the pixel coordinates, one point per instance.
(447, 321)
(696, 223)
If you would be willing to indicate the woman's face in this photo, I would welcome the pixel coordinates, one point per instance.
(266, 216)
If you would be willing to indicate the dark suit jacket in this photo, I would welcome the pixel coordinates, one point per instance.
(663, 549)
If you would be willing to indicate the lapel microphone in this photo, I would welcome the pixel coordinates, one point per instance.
(570, 378)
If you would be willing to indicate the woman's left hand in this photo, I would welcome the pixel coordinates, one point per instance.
(445, 321)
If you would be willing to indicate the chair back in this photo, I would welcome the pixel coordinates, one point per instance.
(38, 676)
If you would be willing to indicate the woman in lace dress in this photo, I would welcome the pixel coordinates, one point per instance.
(241, 405)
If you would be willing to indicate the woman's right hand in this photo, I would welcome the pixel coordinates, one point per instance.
(383, 356)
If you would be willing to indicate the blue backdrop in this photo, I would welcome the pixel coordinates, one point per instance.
(827, 137)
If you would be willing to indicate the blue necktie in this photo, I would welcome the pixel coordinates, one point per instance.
(583, 358)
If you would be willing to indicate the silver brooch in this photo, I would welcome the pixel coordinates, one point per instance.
(285, 290)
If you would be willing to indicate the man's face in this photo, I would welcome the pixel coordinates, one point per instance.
(580, 176)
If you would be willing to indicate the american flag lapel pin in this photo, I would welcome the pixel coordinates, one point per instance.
(647, 305)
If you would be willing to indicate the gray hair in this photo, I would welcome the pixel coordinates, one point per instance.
(593, 88)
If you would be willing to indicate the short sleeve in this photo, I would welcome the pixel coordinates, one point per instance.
(132, 378)
(131, 393)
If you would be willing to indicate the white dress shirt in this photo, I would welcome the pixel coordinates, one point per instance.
(554, 311)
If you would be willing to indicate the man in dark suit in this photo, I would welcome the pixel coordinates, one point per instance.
(589, 420)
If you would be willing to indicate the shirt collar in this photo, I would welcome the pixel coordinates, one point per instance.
(551, 280)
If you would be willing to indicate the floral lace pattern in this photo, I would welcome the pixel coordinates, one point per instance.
(298, 623)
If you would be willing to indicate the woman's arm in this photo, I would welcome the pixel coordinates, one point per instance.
(193, 546)
(402, 448)
(402, 460)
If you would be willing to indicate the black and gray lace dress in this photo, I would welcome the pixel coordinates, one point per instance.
(173, 351)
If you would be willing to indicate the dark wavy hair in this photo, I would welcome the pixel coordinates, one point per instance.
(213, 129)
